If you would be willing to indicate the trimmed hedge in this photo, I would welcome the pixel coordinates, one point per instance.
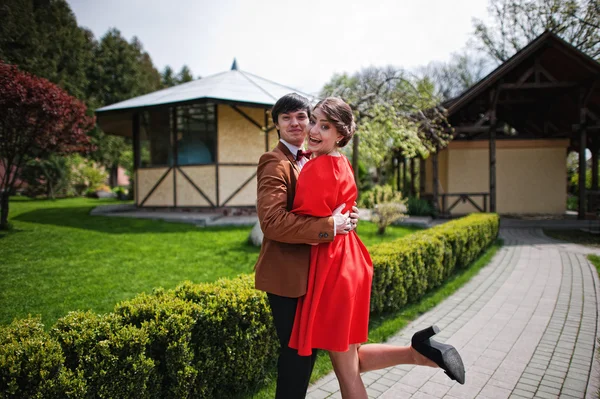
(206, 340)
(404, 270)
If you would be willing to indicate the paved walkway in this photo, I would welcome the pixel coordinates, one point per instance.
(525, 327)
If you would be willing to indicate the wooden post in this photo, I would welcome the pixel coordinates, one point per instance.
(175, 137)
(582, 146)
(493, 166)
(404, 176)
(413, 178)
(422, 177)
(397, 159)
(594, 163)
(593, 200)
(135, 127)
(492, 155)
(436, 182)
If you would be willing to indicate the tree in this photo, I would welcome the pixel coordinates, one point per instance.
(42, 38)
(168, 77)
(452, 78)
(36, 118)
(122, 70)
(185, 75)
(48, 174)
(517, 22)
(394, 111)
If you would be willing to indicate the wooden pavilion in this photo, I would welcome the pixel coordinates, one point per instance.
(512, 132)
(198, 144)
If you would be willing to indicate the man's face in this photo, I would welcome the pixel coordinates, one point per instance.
(293, 126)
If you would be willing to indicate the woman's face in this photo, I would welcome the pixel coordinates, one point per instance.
(322, 134)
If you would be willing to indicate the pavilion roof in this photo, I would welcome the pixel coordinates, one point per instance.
(540, 92)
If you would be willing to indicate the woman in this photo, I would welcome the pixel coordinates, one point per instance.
(334, 313)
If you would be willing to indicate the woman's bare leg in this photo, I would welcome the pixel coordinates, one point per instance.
(379, 356)
(347, 370)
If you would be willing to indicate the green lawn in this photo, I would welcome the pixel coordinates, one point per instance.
(58, 258)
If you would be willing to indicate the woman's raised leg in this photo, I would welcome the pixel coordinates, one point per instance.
(379, 356)
(347, 370)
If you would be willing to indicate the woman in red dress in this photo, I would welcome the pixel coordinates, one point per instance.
(334, 313)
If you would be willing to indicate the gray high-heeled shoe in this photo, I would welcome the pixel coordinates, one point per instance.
(444, 355)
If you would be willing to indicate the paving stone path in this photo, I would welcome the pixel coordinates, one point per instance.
(526, 327)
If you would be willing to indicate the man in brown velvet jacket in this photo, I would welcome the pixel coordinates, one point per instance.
(282, 266)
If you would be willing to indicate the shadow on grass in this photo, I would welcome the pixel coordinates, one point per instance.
(6, 233)
(79, 218)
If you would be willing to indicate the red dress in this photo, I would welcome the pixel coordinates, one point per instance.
(335, 310)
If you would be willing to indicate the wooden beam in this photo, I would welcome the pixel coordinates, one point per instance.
(475, 129)
(492, 148)
(525, 76)
(198, 189)
(509, 101)
(538, 85)
(245, 115)
(588, 95)
(244, 184)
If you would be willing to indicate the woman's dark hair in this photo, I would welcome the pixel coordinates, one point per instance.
(340, 115)
(290, 103)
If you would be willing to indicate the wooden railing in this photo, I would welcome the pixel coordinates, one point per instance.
(592, 198)
(463, 197)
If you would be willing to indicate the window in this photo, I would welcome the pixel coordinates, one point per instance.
(155, 138)
(196, 134)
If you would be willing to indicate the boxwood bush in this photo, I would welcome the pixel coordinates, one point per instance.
(206, 340)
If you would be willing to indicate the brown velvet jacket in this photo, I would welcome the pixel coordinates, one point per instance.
(282, 266)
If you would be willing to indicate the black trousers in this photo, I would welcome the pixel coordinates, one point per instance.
(293, 370)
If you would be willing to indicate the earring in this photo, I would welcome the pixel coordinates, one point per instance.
(337, 143)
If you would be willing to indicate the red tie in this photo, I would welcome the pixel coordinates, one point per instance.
(301, 153)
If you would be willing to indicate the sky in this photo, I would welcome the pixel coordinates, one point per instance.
(298, 44)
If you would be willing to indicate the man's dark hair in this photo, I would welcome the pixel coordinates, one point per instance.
(290, 103)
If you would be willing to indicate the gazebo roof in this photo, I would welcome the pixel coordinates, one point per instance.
(234, 86)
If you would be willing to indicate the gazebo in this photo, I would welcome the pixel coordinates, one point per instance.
(512, 132)
(198, 144)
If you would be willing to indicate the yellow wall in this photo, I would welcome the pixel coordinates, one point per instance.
(239, 140)
(530, 175)
(163, 194)
(204, 178)
(146, 179)
(233, 177)
(533, 181)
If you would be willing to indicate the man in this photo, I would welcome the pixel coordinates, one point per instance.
(282, 266)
